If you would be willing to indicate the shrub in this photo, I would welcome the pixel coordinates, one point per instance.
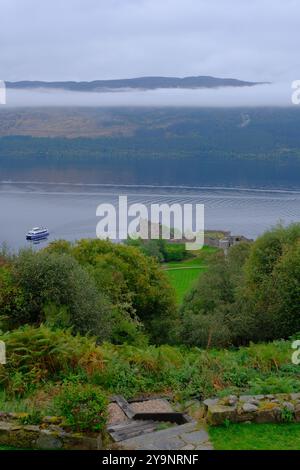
(174, 252)
(274, 384)
(128, 332)
(251, 295)
(272, 284)
(83, 407)
(287, 416)
(58, 290)
(128, 276)
(34, 417)
(37, 354)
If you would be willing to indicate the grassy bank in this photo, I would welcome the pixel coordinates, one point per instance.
(33, 379)
(256, 437)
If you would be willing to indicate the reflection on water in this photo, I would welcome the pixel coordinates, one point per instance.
(193, 172)
(40, 241)
(69, 210)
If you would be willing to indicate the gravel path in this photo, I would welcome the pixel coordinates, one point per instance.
(151, 406)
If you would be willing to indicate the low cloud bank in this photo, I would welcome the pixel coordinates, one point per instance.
(279, 94)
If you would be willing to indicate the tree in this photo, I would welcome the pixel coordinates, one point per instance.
(205, 311)
(252, 295)
(132, 281)
(272, 288)
(12, 299)
(57, 289)
(267, 250)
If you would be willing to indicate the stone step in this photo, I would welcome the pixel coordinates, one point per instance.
(127, 425)
(124, 405)
(131, 430)
(186, 436)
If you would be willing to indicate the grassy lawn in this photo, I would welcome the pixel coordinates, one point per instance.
(183, 279)
(184, 274)
(188, 263)
(256, 437)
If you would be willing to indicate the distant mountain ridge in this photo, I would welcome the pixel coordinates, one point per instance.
(142, 83)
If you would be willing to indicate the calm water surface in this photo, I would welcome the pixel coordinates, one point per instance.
(69, 210)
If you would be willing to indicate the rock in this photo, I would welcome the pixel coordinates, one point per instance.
(233, 397)
(249, 399)
(295, 396)
(246, 398)
(207, 446)
(244, 417)
(48, 441)
(4, 426)
(14, 434)
(52, 419)
(188, 447)
(232, 400)
(18, 415)
(217, 414)
(255, 402)
(249, 407)
(267, 415)
(297, 413)
(282, 396)
(31, 428)
(71, 441)
(269, 405)
(56, 428)
(210, 402)
(195, 437)
(288, 406)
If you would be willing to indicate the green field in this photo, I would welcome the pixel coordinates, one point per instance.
(183, 279)
(184, 274)
(256, 437)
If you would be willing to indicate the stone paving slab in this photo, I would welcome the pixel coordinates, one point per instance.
(184, 437)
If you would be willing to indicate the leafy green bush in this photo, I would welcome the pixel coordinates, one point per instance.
(133, 282)
(57, 290)
(84, 407)
(193, 372)
(37, 357)
(274, 384)
(251, 295)
(174, 252)
(39, 354)
(128, 332)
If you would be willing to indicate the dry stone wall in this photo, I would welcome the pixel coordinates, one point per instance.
(48, 435)
(253, 408)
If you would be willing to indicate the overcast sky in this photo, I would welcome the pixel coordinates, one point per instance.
(98, 39)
